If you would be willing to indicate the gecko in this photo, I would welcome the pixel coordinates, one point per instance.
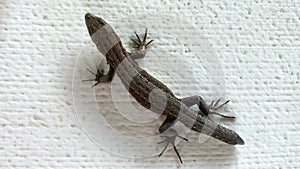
(141, 84)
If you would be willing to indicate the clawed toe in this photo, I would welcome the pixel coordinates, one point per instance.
(222, 115)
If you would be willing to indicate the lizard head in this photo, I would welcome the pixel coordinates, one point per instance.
(101, 33)
(93, 23)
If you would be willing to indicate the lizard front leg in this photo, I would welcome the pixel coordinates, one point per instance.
(140, 45)
(100, 77)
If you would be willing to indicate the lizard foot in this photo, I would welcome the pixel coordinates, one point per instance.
(213, 107)
(139, 44)
(100, 77)
(170, 138)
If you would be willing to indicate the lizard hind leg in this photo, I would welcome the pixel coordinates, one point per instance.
(213, 107)
(168, 122)
(203, 107)
(170, 136)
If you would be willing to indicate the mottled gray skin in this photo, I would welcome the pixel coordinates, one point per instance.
(140, 84)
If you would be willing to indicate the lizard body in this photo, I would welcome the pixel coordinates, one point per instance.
(140, 85)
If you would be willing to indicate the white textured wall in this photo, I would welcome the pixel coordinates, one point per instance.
(257, 43)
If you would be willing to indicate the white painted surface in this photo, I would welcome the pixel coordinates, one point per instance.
(257, 43)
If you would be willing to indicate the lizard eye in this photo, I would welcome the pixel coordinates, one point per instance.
(100, 21)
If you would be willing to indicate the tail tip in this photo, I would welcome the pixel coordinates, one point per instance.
(240, 141)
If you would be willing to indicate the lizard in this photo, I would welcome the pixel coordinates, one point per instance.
(140, 84)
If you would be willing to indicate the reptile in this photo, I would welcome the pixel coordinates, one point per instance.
(140, 85)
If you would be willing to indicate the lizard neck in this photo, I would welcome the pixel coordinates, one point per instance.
(116, 55)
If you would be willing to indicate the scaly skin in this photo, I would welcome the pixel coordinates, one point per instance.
(140, 84)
